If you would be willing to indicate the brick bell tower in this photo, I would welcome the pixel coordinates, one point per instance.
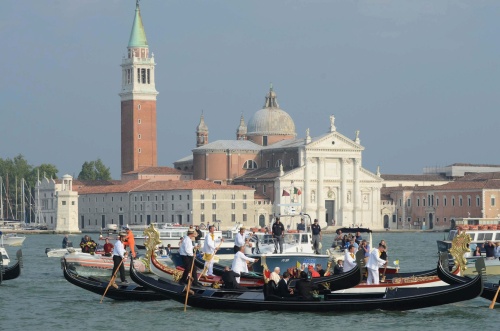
(138, 102)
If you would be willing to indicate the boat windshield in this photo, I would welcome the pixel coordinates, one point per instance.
(485, 236)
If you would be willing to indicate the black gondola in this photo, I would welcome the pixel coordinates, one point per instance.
(398, 299)
(14, 271)
(489, 290)
(123, 292)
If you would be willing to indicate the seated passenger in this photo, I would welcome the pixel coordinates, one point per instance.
(229, 279)
(283, 290)
(304, 287)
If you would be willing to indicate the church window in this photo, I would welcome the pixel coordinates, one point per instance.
(264, 141)
(268, 164)
(139, 150)
(278, 163)
(148, 71)
(478, 201)
(129, 76)
(250, 164)
(139, 121)
(492, 200)
(138, 75)
(143, 76)
(139, 107)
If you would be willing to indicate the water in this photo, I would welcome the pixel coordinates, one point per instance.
(41, 299)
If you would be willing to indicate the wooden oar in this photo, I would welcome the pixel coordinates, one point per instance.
(209, 261)
(112, 281)
(188, 288)
(385, 268)
(492, 305)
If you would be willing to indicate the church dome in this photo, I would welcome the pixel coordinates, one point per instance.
(271, 120)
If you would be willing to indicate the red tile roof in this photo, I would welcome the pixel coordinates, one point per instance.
(156, 171)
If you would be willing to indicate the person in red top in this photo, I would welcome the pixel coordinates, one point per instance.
(130, 241)
(314, 273)
(108, 248)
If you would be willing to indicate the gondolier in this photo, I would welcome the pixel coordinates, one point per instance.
(373, 265)
(316, 236)
(119, 253)
(209, 250)
(239, 240)
(186, 250)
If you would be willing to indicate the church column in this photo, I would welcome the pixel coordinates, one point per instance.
(357, 193)
(343, 192)
(321, 200)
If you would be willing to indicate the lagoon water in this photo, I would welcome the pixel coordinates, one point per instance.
(41, 299)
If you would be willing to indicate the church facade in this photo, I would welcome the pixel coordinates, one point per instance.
(319, 176)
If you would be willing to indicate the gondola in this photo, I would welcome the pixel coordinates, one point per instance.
(12, 272)
(335, 282)
(123, 292)
(489, 290)
(392, 299)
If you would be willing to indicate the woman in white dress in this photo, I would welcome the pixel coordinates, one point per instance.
(240, 262)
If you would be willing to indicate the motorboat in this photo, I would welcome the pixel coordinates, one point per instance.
(86, 264)
(60, 252)
(129, 291)
(479, 235)
(11, 239)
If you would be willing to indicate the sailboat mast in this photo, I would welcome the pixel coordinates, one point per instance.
(1, 198)
(22, 203)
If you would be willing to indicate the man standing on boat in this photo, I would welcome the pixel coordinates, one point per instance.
(301, 227)
(186, 250)
(130, 241)
(316, 236)
(349, 259)
(119, 254)
(239, 240)
(373, 265)
(278, 235)
(209, 250)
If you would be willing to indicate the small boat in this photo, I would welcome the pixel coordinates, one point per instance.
(130, 291)
(86, 264)
(60, 252)
(11, 239)
(12, 272)
(399, 299)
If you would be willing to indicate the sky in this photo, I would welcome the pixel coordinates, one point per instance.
(418, 79)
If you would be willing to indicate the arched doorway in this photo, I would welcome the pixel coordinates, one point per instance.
(262, 221)
(431, 221)
(386, 221)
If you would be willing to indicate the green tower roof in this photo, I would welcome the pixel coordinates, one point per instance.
(138, 35)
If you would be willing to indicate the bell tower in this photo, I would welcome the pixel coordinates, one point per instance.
(138, 102)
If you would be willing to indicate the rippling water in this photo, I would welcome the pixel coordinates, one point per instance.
(41, 299)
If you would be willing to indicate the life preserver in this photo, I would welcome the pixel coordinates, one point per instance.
(292, 231)
(473, 227)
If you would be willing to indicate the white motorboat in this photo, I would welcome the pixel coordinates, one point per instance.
(479, 234)
(60, 252)
(11, 239)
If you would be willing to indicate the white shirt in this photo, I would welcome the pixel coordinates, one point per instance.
(209, 244)
(349, 261)
(275, 277)
(186, 247)
(240, 262)
(119, 249)
(374, 261)
(239, 240)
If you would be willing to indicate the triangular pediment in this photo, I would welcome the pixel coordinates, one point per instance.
(334, 141)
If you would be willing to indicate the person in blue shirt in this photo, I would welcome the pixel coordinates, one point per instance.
(301, 226)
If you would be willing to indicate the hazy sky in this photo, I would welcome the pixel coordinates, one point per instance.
(419, 79)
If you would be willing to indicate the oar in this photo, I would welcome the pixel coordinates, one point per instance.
(209, 261)
(189, 280)
(385, 268)
(112, 281)
(492, 305)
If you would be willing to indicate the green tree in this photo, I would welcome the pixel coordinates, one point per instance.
(94, 170)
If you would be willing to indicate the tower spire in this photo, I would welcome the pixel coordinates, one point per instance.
(138, 34)
(241, 132)
(201, 132)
